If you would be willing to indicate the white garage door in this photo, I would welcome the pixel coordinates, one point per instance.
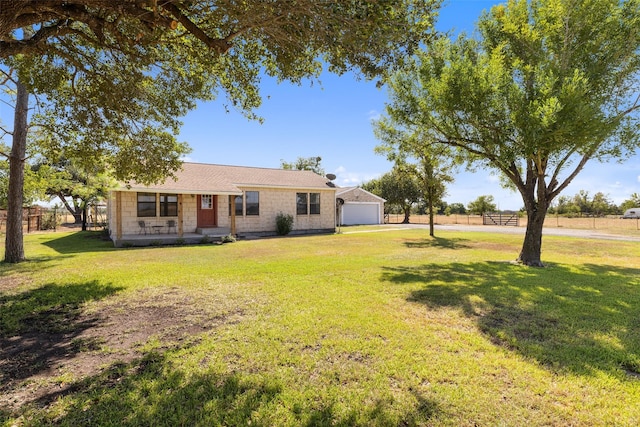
(360, 213)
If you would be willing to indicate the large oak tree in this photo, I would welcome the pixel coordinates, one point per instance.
(115, 76)
(547, 86)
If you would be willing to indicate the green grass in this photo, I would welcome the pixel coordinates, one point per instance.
(389, 328)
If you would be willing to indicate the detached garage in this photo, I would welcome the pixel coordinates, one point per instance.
(358, 207)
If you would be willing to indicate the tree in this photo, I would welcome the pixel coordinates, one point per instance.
(400, 187)
(433, 164)
(632, 202)
(601, 205)
(304, 164)
(546, 87)
(116, 76)
(76, 188)
(35, 183)
(457, 208)
(482, 205)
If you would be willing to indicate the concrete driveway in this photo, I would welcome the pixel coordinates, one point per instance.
(549, 231)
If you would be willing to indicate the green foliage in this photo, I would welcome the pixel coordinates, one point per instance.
(230, 238)
(284, 223)
(632, 202)
(544, 87)
(482, 205)
(75, 186)
(206, 240)
(582, 204)
(50, 220)
(431, 164)
(304, 164)
(35, 182)
(400, 188)
(457, 208)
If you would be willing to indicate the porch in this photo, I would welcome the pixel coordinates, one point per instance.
(161, 238)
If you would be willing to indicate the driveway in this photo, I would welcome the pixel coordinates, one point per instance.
(549, 231)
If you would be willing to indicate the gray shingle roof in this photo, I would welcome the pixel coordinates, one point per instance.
(197, 178)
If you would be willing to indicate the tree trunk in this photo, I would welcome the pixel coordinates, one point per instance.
(431, 203)
(14, 245)
(84, 218)
(75, 211)
(407, 214)
(431, 226)
(532, 245)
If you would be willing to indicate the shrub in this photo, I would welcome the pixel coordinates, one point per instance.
(284, 224)
(206, 239)
(50, 221)
(228, 239)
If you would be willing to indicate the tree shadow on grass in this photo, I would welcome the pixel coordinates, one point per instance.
(79, 242)
(156, 390)
(438, 242)
(39, 327)
(584, 319)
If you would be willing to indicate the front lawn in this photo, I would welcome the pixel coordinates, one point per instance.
(388, 328)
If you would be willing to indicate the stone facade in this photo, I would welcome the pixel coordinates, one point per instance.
(271, 202)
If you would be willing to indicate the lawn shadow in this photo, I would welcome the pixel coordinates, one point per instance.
(151, 391)
(40, 327)
(380, 414)
(156, 390)
(79, 242)
(438, 242)
(584, 319)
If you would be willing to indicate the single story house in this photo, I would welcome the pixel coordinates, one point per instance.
(358, 206)
(218, 200)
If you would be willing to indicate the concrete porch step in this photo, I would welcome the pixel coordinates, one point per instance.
(214, 231)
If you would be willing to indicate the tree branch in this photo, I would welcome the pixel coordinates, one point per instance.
(221, 46)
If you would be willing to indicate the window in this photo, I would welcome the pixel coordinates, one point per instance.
(308, 203)
(301, 203)
(206, 201)
(168, 205)
(237, 201)
(314, 203)
(253, 202)
(146, 204)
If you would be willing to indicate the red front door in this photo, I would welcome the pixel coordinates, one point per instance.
(207, 214)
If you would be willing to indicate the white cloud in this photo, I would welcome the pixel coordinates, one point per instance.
(374, 115)
(353, 179)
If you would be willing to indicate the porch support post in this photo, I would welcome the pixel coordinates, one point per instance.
(118, 215)
(180, 216)
(232, 200)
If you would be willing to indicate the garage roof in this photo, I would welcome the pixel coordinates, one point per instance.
(346, 191)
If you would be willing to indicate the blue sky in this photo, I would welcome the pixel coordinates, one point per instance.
(332, 119)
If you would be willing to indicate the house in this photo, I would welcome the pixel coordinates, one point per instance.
(218, 200)
(358, 206)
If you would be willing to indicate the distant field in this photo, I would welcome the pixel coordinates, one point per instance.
(610, 223)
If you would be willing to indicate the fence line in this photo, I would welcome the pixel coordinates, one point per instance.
(553, 221)
(38, 218)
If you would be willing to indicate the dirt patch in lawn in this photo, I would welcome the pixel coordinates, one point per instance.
(64, 345)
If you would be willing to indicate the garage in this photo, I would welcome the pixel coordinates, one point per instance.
(359, 207)
(360, 213)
